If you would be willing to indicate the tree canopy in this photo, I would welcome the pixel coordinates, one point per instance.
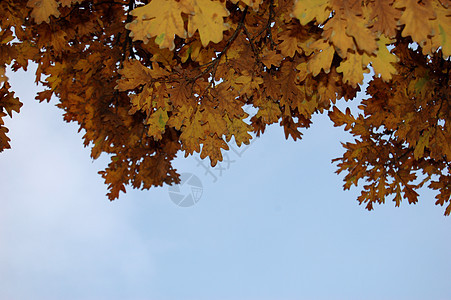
(146, 79)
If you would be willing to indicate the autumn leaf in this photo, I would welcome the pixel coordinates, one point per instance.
(271, 58)
(416, 17)
(207, 18)
(3, 77)
(43, 9)
(161, 19)
(335, 32)
(146, 79)
(239, 130)
(246, 83)
(69, 2)
(157, 122)
(192, 133)
(340, 118)
(290, 128)
(385, 17)
(269, 112)
(133, 74)
(4, 139)
(212, 118)
(308, 10)
(289, 44)
(8, 102)
(383, 61)
(254, 4)
(422, 143)
(353, 68)
(364, 38)
(441, 27)
(322, 59)
(211, 147)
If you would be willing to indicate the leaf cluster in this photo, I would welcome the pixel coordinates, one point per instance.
(147, 79)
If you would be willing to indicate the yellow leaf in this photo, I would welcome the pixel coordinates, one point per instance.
(322, 59)
(192, 132)
(442, 31)
(382, 62)
(353, 68)
(303, 72)
(191, 50)
(308, 10)
(335, 32)
(43, 9)
(161, 19)
(385, 17)
(269, 112)
(213, 119)
(179, 116)
(416, 17)
(239, 129)
(133, 74)
(363, 37)
(142, 101)
(157, 123)
(208, 20)
(423, 142)
(247, 84)
(211, 147)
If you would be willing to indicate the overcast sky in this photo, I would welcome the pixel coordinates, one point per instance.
(274, 223)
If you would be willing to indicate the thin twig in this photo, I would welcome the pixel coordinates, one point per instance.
(214, 64)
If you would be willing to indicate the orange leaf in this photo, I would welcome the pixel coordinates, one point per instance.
(416, 17)
(211, 147)
(43, 9)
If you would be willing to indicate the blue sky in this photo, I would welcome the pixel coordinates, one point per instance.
(275, 225)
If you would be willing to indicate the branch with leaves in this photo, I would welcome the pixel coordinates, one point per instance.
(146, 80)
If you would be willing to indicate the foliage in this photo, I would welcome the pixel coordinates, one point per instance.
(146, 79)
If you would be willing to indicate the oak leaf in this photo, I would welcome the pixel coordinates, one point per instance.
(385, 17)
(364, 38)
(322, 59)
(157, 123)
(308, 10)
(207, 18)
(192, 133)
(161, 19)
(416, 18)
(269, 112)
(335, 32)
(43, 9)
(442, 31)
(8, 102)
(211, 147)
(239, 130)
(3, 77)
(382, 61)
(271, 58)
(353, 68)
